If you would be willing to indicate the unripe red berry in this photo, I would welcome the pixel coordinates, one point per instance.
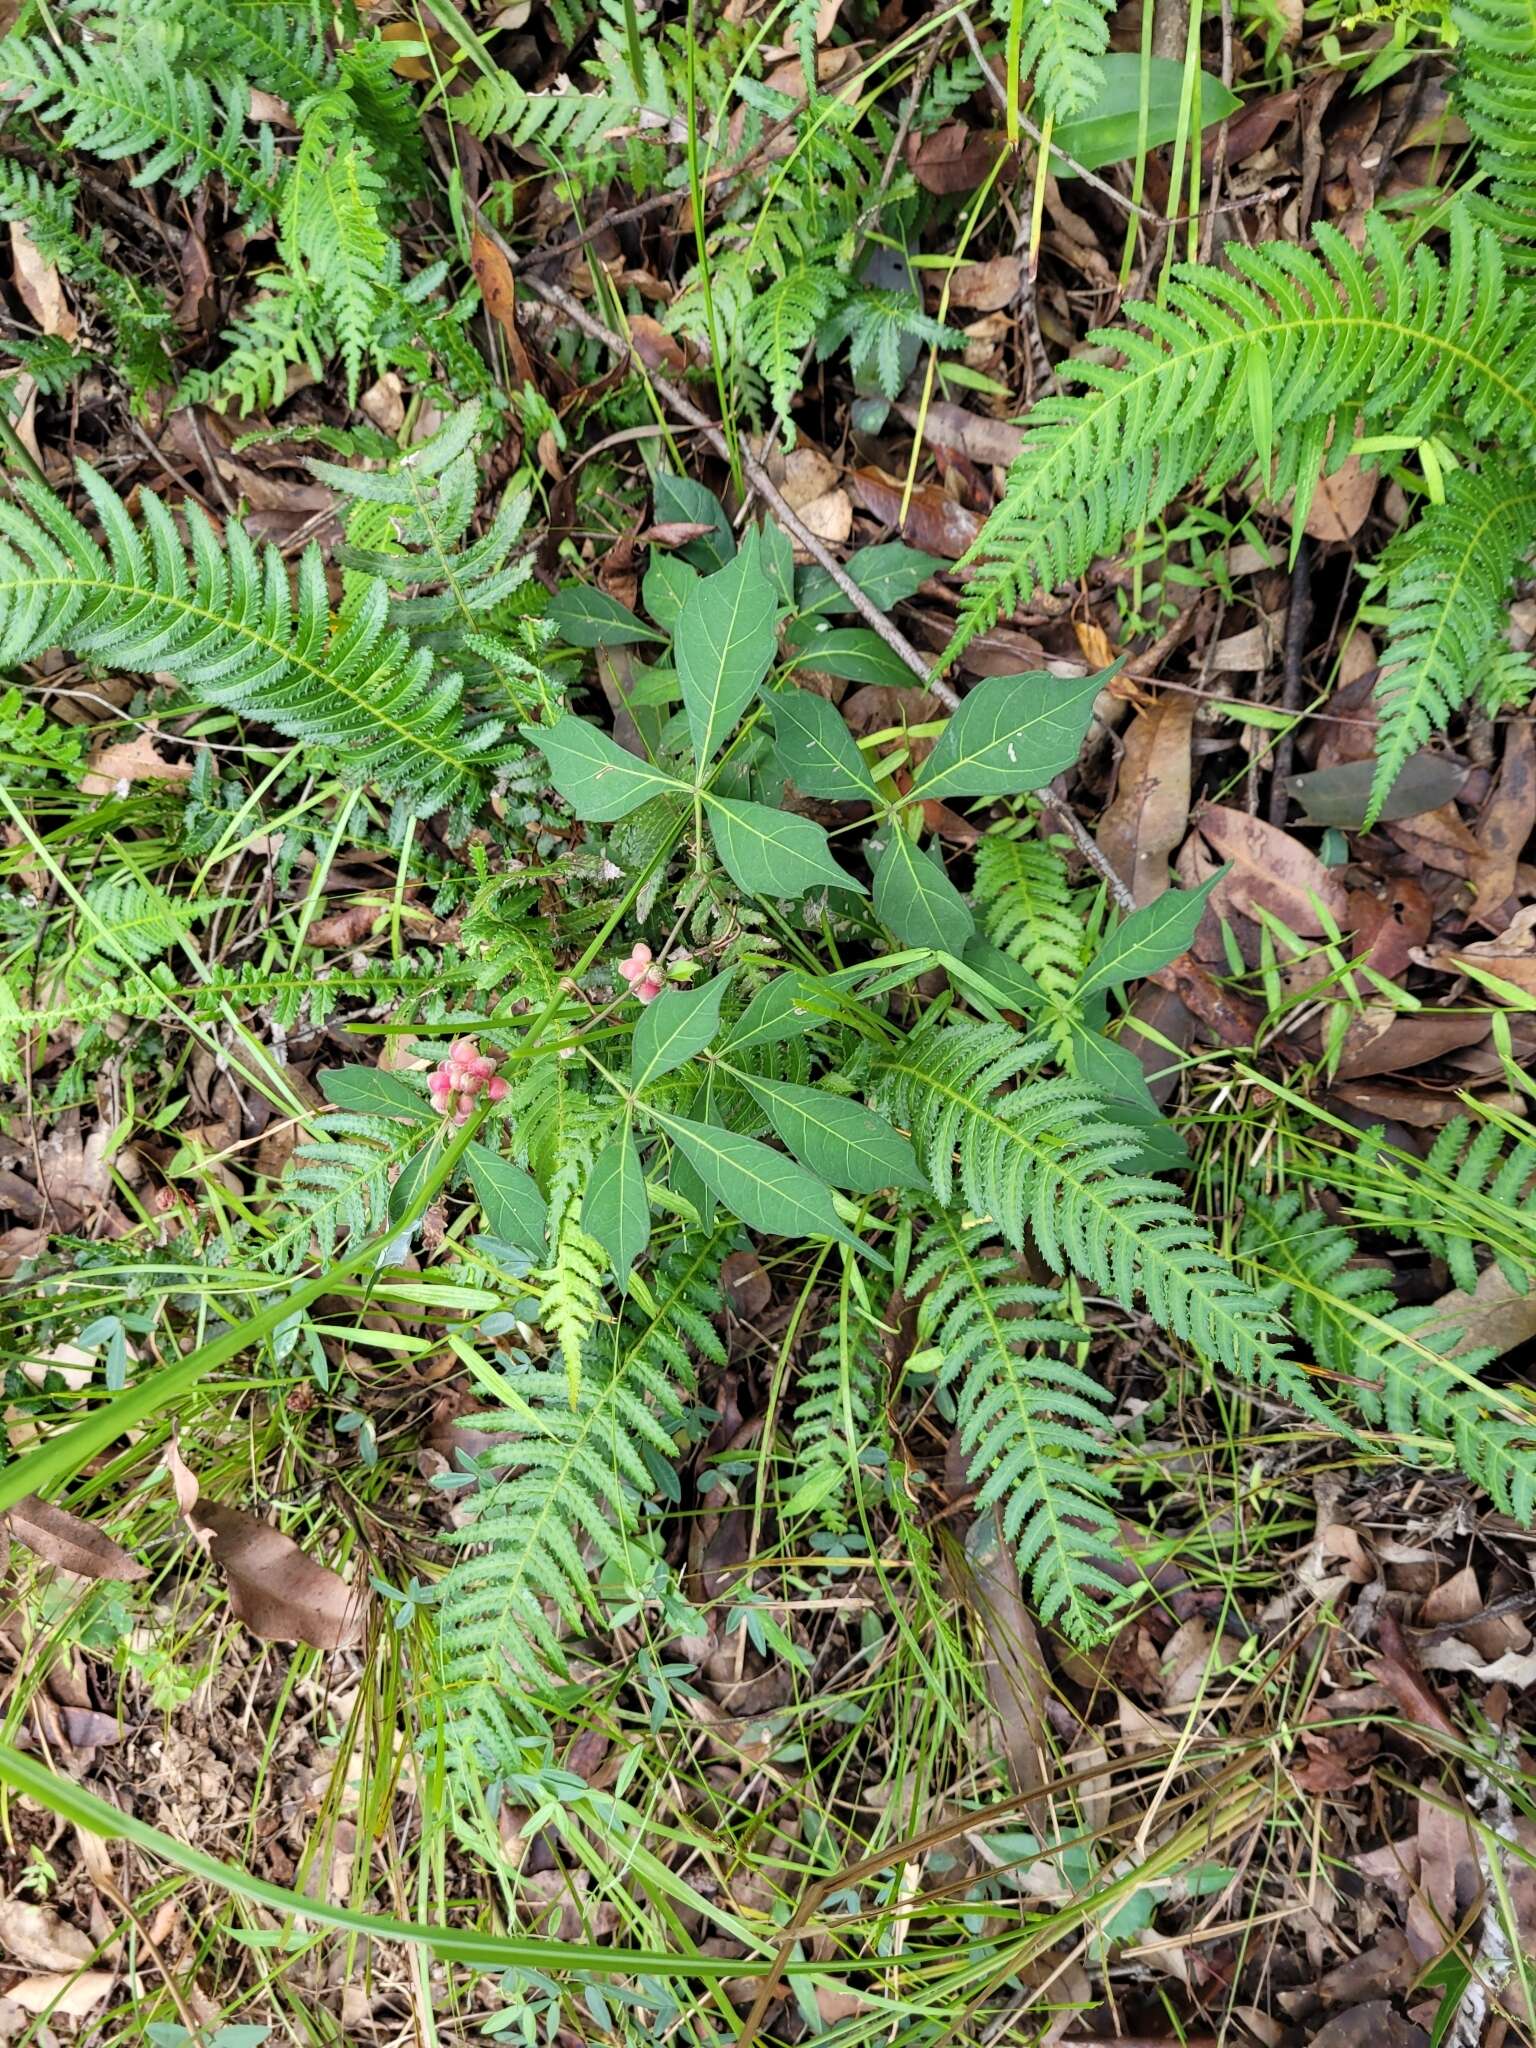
(495, 1088)
(462, 1051)
(482, 1065)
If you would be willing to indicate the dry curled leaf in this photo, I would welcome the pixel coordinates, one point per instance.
(934, 522)
(63, 1994)
(73, 1545)
(1508, 820)
(40, 1938)
(140, 759)
(1271, 871)
(1146, 818)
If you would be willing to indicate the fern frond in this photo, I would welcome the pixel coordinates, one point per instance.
(127, 921)
(571, 1296)
(333, 232)
(569, 122)
(338, 1188)
(1412, 1380)
(561, 1477)
(1476, 1188)
(1029, 908)
(1495, 91)
(1448, 580)
(114, 101)
(34, 746)
(1043, 1158)
(780, 324)
(1060, 44)
(1400, 338)
(839, 1412)
(220, 617)
(279, 48)
(1027, 1417)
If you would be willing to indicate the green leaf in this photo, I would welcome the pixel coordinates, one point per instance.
(597, 778)
(678, 501)
(767, 1191)
(680, 1023)
(1107, 133)
(410, 1180)
(775, 1013)
(514, 1209)
(1012, 733)
(854, 652)
(617, 1210)
(1341, 795)
(584, 617)
(725, 644)
(916, 900)
(668, 581)
(1148, 939)
(367, 1092)
(886, 573)
(773, 853)
(842, 1141)
(814, 747)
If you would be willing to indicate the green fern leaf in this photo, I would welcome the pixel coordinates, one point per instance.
(1495, 91)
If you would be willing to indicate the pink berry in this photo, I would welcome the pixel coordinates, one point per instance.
(465, 1110)
(641, 952)
(631, 970)
(495, 1088)
(470, 1088)
(462, 1051)
(483, 1065)
(649, 988)
(438, 1084)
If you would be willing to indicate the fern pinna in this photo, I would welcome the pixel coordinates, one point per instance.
(219, 615)
(1405, 1371)
(1273, 361)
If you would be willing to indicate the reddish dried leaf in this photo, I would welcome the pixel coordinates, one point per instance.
(969, 433)
(1341, 502)
(747, 1286)
(1508, 820)
(935, 523)
(1376, 2025)
(1397, 1670)
(493, 274)
(1511, 956)
(954, 158)
(1406, 1041)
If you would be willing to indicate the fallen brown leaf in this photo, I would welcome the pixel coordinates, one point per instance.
(1495, 1317)
(934, 522)
(62, 1994)
(1450, 1875)
(1341, 501)
(73, 1545)
(969, 433)
(1508, 820)
(40, 1938)
(1405, 1041)
(1375, 2025)
(1395, 1668)
(1271, 871)
(280, 1594)
(1146, 818)
(140, 759)
(955, 158)
(747, 1285)
(39, 287)
(986, 287)
(493, 274)
(1511, 956)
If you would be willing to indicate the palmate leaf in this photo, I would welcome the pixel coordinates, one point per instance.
(220, 617)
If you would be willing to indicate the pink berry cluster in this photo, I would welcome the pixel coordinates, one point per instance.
(460, 1078)
(646, 980)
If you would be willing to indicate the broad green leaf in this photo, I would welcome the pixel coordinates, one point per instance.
(1107, 133)
(616, 1210)
(514, 1209)
(410, 1180)
(842, 1141)
(767, 1191)
(1012, 733)
(367, 1092)
(778, 558)
(815, 748)
(680, 1023)
(668, 581)
(600, 780)
(1341, 795)
(773, 853)
(775, 1013)
(854, 652)
(584, 617)
(725, 644)
(1148, 939)
(887, 573)
(916, 900)
(678, 500)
